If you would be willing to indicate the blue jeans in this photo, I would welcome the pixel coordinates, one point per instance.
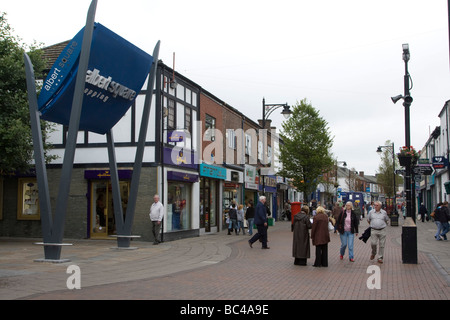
(440, 228)
(250, 226)
(347, 238)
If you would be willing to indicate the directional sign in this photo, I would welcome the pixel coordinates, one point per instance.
(424, 169)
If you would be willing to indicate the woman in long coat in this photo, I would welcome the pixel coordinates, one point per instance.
(320, 236)
(300, 244)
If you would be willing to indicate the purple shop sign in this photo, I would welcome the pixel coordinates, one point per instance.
(106, 174)
(182, 176)
(180, 157)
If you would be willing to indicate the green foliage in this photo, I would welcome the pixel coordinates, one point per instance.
(306, 148)
(16, 146)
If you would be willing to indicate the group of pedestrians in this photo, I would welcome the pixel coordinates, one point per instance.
(346, 222)
(236, 216)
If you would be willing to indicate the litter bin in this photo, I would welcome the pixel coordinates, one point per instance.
(296, 207)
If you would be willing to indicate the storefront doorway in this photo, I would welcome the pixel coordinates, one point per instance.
(102, 220)
(208, 203)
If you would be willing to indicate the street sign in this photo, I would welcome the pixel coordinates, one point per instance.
(402, 172)
(424, 170)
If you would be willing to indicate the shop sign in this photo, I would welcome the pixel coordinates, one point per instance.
(228, 185)
(440, 162)
(112, 82)
(251, 179)
(179, 157)
(106, 174)
(182, 176)
(207, 170)
(175, 136)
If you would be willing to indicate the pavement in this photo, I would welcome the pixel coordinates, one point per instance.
(223, 267)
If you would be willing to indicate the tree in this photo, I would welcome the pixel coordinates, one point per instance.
(306, 149)
(16, 145)
(385, 176)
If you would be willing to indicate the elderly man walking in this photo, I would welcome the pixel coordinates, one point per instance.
(377, 219)
(261, 224)
(156, 216)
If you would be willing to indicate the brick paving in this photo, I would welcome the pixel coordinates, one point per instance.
(222, 267)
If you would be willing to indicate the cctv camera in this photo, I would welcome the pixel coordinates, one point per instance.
(396, 98)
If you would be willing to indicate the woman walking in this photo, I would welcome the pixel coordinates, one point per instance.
(240, 219)
(250, 216)
(347, 225)
(320, 237)
(300, 244)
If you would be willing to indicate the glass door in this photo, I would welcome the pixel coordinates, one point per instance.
(102, 220)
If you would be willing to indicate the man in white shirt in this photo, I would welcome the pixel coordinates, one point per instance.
(156, 216)
(378, 219)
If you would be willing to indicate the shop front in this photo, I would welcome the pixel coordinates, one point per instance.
(211, 177)
(269, 189)
(101, 219)
(181, 194)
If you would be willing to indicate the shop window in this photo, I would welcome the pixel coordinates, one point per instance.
(210, 125)
(178, 206)
(28, 200)
(170, 114)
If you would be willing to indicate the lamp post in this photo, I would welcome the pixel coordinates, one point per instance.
(409, 229)
(394, 217)
(344, 164)
(267, 110)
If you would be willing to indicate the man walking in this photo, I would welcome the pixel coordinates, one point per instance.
(261, 224)
(377, 219)
(156, 216)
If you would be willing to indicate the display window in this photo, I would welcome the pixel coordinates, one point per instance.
(178, 206)
(28, 200)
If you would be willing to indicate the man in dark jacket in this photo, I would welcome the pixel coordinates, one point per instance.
(261, 224)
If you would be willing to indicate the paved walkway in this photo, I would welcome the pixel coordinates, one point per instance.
(219, 267)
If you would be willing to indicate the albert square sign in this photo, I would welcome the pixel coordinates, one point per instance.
(116, 73)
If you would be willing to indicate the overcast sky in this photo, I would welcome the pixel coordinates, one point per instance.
(344, 57)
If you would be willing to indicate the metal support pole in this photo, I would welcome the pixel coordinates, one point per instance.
(53, 231)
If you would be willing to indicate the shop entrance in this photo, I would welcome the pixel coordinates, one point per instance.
(102, 220)
(208, 204)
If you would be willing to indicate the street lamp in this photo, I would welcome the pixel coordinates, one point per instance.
(409, 235)
(267, 110)
(393, 168)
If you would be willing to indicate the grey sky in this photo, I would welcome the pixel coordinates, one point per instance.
(345, 57)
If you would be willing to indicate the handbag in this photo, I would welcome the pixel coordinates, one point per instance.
(330, 226)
